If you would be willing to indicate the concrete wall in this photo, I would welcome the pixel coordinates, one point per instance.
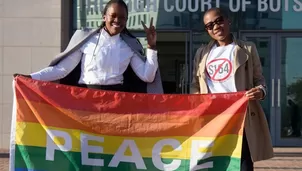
(30, 36)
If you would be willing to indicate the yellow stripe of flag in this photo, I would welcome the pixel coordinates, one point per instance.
(32, 134)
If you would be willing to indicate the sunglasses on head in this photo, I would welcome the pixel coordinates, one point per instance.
(210, 25)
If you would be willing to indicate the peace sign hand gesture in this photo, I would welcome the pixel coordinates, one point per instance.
(151, 34)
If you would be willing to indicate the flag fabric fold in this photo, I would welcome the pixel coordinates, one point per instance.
(63, 128)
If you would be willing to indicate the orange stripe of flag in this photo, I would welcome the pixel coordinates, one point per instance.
(135, 125)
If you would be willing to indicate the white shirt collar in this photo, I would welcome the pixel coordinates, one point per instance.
(106, 36)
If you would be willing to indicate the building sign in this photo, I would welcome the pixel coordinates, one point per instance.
(202, 5)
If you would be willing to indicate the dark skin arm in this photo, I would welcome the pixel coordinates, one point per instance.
(255, 94)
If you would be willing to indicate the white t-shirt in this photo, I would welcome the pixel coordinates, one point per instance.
(219, 67)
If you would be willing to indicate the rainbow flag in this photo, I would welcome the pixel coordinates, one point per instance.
(62, 128)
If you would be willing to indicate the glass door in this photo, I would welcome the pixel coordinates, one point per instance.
(281, 59)
(289, 89)
(266, 47)
(173, 56)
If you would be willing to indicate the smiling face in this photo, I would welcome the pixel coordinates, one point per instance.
(217, 25)
(115, 18)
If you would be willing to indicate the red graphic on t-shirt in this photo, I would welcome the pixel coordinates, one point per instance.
(219, 69)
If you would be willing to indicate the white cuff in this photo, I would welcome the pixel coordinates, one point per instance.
(35, 76)
(151, 53)
(264, 91)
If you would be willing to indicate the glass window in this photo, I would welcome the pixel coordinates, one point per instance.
(134, 17)
(129, 21)
(145, 18)
(176, 21)
(139, 19)
(258, 15)
(272, 15)
(264, 15)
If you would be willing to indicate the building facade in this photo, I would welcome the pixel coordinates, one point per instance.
(32, 32)
(30, 36)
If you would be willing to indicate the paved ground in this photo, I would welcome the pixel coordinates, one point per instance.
(287, 159)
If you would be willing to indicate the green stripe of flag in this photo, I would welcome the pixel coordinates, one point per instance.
(28, 157)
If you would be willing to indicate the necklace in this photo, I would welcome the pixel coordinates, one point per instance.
(97, 43)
